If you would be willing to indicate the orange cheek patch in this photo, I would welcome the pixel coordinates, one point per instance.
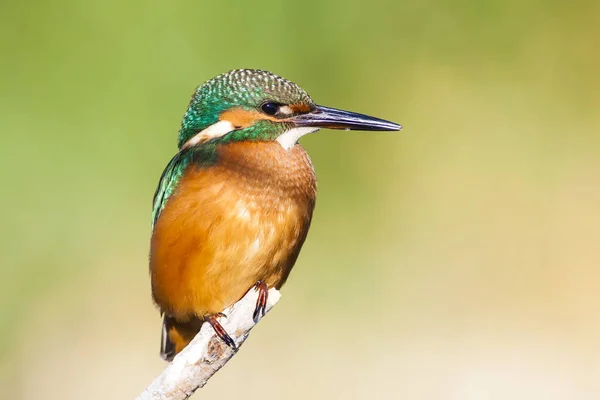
(299, 108)
(241, 118)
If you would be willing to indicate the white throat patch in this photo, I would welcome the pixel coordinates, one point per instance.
(217, 129)
(288, 139)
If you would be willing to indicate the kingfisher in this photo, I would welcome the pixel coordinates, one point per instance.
(234, 205)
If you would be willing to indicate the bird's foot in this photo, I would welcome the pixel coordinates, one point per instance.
(219, 330)
(261, 302)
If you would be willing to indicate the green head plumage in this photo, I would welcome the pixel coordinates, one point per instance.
(249, 90)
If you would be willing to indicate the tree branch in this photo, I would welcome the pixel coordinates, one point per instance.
(207, 353)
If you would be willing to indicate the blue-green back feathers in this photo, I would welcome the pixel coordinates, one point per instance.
(195, 157)
(167, 184)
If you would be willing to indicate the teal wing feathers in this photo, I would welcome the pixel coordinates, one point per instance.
(167, 184)
(200, 156)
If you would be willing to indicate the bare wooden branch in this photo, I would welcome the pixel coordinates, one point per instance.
(207, 353)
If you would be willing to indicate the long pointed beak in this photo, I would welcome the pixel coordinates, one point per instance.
(332, 118)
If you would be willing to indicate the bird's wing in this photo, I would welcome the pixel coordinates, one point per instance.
(168, 182)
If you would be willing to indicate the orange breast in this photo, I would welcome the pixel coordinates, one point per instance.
(230, 225)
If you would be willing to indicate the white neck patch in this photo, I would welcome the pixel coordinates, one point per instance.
(288, 139)
(217, 129)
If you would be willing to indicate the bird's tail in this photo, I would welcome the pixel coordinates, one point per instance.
(176, 335)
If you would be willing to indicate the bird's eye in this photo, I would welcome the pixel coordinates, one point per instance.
(270, 108)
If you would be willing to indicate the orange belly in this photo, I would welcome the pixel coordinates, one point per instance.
(229, 225)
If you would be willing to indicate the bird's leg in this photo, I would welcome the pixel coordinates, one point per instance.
(261, 302)
(219, 330)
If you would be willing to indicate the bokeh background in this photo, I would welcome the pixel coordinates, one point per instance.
(457, 259)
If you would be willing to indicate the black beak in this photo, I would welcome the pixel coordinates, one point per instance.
(332, 118)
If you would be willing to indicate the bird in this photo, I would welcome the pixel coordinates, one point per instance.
(234, 205)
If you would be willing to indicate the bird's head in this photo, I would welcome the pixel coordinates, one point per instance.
(255, 105)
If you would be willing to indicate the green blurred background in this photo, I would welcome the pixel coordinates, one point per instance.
(457, 259)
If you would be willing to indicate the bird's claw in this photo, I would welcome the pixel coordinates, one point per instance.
(220, 331)
(261, 303)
